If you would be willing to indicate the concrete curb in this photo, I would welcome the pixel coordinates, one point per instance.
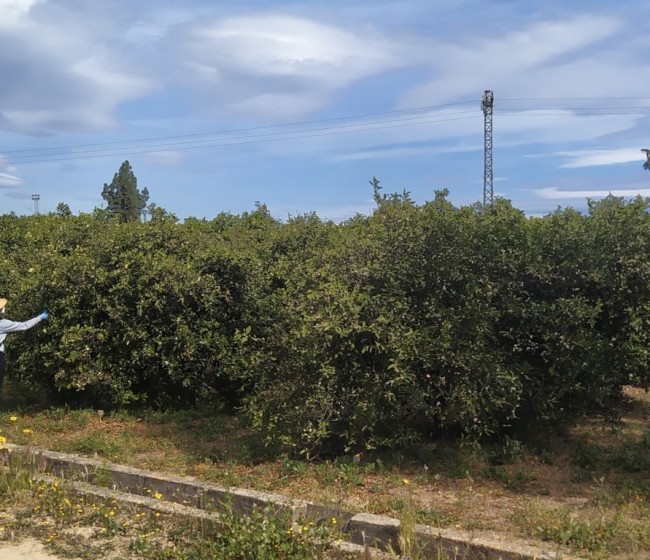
(191, 498)
(205, 522)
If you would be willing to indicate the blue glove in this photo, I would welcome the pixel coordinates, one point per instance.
(44, 315)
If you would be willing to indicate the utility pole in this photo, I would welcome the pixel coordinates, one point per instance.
(35, 199)
(488, 190)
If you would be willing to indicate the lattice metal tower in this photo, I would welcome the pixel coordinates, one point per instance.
(488, 190)
(35, 199)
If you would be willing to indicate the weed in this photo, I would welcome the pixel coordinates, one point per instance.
(14, 475)
(589, 455)
(604, 532)
(70, 418)
(60, 518)
(633, 455)
(350, 474)
(515, 480)
(546, 457)
(293, 467)
(97, 443)
(507, 452)
(408, 542)
(184, 442)
(213, 427)
(102, 477)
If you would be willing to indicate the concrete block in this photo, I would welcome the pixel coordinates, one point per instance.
(434, 543)
(181, 490)
(323, 514)
(197, 499)
(376, 531)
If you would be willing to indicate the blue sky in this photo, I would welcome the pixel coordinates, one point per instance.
(220, 105)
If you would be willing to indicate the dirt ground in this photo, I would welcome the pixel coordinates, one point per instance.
(536, 492)
(29, 549)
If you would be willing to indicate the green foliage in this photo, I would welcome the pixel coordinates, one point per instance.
(259, 536)
(140, 312)
(97, 444)
(123, 198)
(15, 475)
(412, 323)
(601, 536)
(386, 332)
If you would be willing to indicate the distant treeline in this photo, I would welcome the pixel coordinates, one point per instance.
(411, 323)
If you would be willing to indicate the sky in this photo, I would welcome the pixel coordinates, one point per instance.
(220, 106)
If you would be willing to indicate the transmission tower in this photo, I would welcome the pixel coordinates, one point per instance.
(35, 199)
(488, 191)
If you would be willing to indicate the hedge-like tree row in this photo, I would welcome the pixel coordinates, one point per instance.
(415, 321)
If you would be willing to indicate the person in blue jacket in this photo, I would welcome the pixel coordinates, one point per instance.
(7, 326)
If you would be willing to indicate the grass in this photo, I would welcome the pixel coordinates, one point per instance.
(587, 491)
(73, 526)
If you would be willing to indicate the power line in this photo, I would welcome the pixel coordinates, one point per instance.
(261, 138)
(256, 136)
(208, 140)
(565, 112)
(239, 140)
(572, 98)
(249, 129)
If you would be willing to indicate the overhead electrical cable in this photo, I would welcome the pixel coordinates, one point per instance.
(302, 130)
(249, 129)
(571, 98)
(567, 112)
(238, 140)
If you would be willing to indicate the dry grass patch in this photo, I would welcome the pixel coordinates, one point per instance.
(588, 489)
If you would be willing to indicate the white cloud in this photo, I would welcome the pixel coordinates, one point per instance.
(552, 126)
(109, 82)
(390, 152)
(69, 70)
(139, 70)
(554, 193)
(512, 62)
(590, 158)
(281, 105)
(167, 157)
(278, 63)
(13, 11)
(153, 26)
(40, 121)
(10, 181)
(290, 46)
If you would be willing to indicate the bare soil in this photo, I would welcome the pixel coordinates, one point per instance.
(28, 549)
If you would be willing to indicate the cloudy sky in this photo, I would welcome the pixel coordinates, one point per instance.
(220, 105)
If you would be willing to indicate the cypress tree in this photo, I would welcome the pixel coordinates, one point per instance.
(122, 196)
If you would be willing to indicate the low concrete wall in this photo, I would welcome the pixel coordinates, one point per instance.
(189, 496)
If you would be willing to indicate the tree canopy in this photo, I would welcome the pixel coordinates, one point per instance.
(412, 323)
(124, 200)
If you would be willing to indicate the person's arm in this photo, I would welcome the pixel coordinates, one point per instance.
(7, 326)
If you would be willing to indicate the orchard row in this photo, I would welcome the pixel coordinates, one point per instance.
(416, 321)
